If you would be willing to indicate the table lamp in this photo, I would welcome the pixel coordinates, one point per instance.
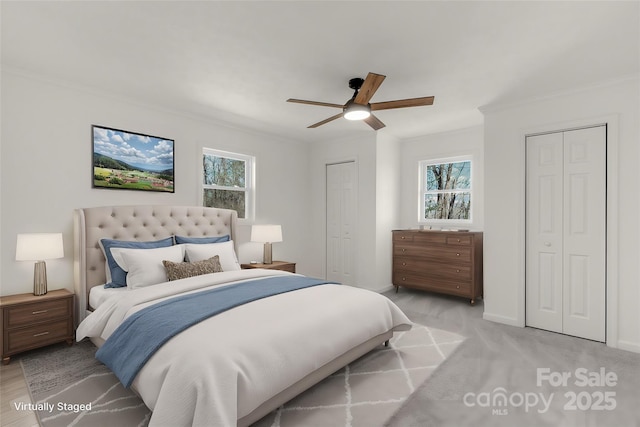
(266, 234)
(38, 247)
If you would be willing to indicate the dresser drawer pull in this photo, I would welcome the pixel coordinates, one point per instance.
(39, 311)
(404, 250)
(404, 263)
(457, 254)
(457, 271)
(404, 278)
(457, 286)
(402, 237)
(41, 334)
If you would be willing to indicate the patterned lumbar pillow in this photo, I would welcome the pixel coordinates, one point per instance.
(182, 270)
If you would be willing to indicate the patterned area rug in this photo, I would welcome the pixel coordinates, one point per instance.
(70, 387)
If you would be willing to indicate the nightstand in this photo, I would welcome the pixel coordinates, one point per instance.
(276, 265)
(30, 321)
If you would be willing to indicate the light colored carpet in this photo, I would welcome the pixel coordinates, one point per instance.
(365, 393)
(498, 360)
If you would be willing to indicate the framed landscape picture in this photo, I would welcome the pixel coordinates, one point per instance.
(132, 161)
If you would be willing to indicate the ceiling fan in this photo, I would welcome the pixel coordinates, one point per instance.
(359, 108)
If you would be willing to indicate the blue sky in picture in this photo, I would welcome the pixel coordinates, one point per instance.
(142, 151)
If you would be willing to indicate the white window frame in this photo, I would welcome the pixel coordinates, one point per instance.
(249, 180)
(422, 190)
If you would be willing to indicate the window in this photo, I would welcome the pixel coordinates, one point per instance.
(227, 181)
(445, 190)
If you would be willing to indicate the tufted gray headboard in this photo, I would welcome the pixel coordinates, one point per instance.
(141, 223)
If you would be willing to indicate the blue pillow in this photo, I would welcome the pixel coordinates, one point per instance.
(201, 240)
(118, 275)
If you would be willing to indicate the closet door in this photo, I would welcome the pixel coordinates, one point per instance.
(566, 232)
(584, 234)
(544, 249)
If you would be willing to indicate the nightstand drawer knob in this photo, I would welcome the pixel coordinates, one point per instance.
(39, 311)
(41, 334)
(457, 254)
(404, 263)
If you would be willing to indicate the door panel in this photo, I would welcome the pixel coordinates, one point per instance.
(544, 232)
(566, 232)
(341, 216)
(585, 233)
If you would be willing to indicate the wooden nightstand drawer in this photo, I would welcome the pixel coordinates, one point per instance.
(28, 321)
(276, 265)
(38, 335)
(29, 314)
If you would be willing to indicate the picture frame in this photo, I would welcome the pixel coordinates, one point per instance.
(128, 160)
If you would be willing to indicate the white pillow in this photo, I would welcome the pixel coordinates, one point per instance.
(144, 266)
(224, 250)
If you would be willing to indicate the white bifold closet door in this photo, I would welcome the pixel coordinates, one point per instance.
(566, 232)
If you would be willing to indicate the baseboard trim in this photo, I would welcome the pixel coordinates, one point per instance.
(629, 346)
(497, 318)
(384, 289)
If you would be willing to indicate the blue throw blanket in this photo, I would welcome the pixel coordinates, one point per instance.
(133, 343)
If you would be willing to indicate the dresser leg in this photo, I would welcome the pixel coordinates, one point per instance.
(6, 360)
(397, 287)
(69, 341)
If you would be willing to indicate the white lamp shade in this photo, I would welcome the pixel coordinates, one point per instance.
(39, 246)
(266, 233)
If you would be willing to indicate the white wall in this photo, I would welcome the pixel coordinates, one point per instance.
(46, 171)
(461, 142)
(504, 244)
(387, 205)
(377, 164)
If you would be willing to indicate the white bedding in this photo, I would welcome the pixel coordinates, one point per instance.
(99, 294)
(223, 368)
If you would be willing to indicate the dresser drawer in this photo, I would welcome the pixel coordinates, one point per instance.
(463, 240)
(448, 271)
(28, 314)
(447, 286)
(38, 335)
(399, 237)
(453, 254)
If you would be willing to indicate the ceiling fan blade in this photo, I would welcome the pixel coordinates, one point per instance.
(330, 119)
(402, 103)
(322, 104)
(374, 122)
(369, 87)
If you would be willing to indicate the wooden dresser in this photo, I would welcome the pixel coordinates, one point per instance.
(448, 262)
(29, 321)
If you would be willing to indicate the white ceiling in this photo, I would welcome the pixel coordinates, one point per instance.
(239, 61)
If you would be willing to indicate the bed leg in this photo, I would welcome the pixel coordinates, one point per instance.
(386, 343)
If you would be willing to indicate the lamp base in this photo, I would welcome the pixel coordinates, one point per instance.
(266, 258)
(40, 278)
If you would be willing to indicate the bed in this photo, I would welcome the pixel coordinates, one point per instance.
(239, 365)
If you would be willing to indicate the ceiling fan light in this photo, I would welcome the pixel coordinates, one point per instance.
(357, 112)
